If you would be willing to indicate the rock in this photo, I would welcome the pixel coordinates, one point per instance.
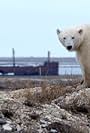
(2, 121)
(18, 128)
(34, 116)
(7, 113)
(59, 127)
(29, 103)
(53, 131)
(7, 127)
(70, 122)
(77, 102)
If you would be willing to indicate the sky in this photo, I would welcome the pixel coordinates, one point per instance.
(29, 26)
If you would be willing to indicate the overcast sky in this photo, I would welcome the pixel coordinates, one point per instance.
(29, 26)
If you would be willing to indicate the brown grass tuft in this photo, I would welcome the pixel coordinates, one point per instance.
(47, 93)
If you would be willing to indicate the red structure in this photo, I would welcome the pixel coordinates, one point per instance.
(49, 68)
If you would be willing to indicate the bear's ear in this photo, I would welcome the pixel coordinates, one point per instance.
(58, 31)
(80, 31)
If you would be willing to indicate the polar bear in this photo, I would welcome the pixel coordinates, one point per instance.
(78, 39)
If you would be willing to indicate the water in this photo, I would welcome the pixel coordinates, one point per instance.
(69, 70)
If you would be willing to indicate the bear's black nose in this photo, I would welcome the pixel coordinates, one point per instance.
(69, 47)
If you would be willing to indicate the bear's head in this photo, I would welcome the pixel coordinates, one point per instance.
(71, 38)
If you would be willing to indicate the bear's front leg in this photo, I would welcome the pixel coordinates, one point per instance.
(87, 80)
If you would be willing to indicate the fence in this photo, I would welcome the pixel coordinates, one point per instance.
(69, 70)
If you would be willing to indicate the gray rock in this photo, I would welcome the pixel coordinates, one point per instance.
(78, 102)
(34, 116)
(53, 131)
(7, 127)
(2, 121)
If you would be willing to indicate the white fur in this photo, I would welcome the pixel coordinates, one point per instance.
(80, 44)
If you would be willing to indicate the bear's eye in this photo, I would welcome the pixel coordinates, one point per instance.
(73, 37)
(64, 38)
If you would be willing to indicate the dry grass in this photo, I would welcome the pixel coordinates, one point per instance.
(44, 91)
(47, 93)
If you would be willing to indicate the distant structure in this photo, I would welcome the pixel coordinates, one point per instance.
(48, 56)
(48, 68)
(13, 56)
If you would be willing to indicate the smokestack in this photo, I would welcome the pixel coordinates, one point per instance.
(48, 56)
(13, 56)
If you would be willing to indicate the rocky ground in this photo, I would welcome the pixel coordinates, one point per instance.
(44, 106)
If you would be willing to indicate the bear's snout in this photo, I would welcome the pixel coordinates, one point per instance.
(69, 47)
